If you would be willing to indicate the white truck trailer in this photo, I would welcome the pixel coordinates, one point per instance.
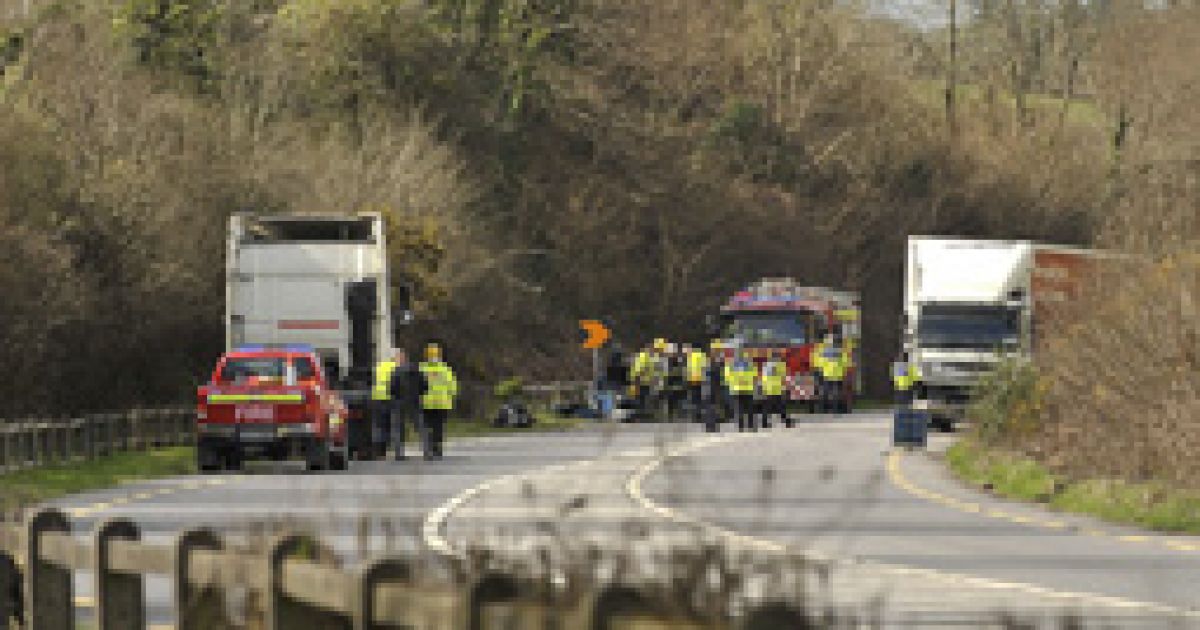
(319, 281)
(970, 304)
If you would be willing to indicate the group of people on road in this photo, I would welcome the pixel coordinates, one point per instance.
(724, 382)
(664, 378)
(418, 394)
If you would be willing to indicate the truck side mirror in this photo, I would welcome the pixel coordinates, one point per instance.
(402, 306)
(333, 372)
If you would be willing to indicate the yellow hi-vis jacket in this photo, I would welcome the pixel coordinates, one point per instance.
(833, 364)
(442, 386)
(697, 364)
(771, 380)
(905, 375)
(641, 364)
(383, 378)
(740, 377)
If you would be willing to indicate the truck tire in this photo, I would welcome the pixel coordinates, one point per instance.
(945, 424)
(317, 458)
(208, 460)
(339, 459)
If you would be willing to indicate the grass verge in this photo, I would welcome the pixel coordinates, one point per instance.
(1151, 505)
(35, 485)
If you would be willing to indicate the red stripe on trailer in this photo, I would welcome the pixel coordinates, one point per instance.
(308, 324)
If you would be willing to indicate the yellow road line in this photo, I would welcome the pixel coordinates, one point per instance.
(634, 490)
(898, 479)
(143, 495)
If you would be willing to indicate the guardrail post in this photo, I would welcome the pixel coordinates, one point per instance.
(138, 430)
(10, 590)
(89, 438)
(30, 439)
(36, 450)
(110, 432)
(120, 602)
(283, 612)
(187, 425)
(196, 608)
(158, 433)
(64, 439)
(17, 453)
(49, 599)
(49, 448)
(362, 613)
(78, 438)
(126, 425)
(4, 452)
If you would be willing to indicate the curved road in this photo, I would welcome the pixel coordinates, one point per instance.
(900, 528)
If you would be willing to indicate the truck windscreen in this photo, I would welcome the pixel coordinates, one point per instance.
(768, 328)
(967, 326)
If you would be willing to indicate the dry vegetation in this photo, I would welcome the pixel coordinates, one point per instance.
(1117, 394)
(550, 160)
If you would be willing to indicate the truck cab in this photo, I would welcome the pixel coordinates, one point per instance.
(270, 403)
(966, 309)
(970, 304)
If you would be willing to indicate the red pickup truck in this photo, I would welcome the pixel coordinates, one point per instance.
(269, 403)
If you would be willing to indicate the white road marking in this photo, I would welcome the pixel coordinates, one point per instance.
(634, 489)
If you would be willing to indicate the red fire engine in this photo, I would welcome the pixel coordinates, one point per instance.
(780, 318)
(271, 403)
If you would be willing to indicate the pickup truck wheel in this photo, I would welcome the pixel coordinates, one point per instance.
(208, 460)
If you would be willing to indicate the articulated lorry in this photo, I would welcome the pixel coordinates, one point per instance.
(317, 281)
(970, 304)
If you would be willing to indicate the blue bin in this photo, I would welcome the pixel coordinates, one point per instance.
(910, 427)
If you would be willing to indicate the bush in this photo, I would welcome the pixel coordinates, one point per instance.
(509, 389)
(1008, 402)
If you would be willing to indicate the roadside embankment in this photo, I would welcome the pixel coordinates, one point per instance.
(35, 485)
(1151, 505)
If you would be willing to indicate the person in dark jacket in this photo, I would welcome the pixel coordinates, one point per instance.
(408, 384)
(714, 389)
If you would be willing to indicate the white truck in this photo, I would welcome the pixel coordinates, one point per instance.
(319, 281)
(969, 304)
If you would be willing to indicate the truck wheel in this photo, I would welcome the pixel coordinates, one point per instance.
(317, 458)
(944, 424)
(338, 459)
(208, 460)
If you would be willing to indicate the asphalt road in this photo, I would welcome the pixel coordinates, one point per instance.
(899, 527)
(373, 507)
(835, 488)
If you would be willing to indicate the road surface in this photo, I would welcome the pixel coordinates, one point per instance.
(898, 527)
